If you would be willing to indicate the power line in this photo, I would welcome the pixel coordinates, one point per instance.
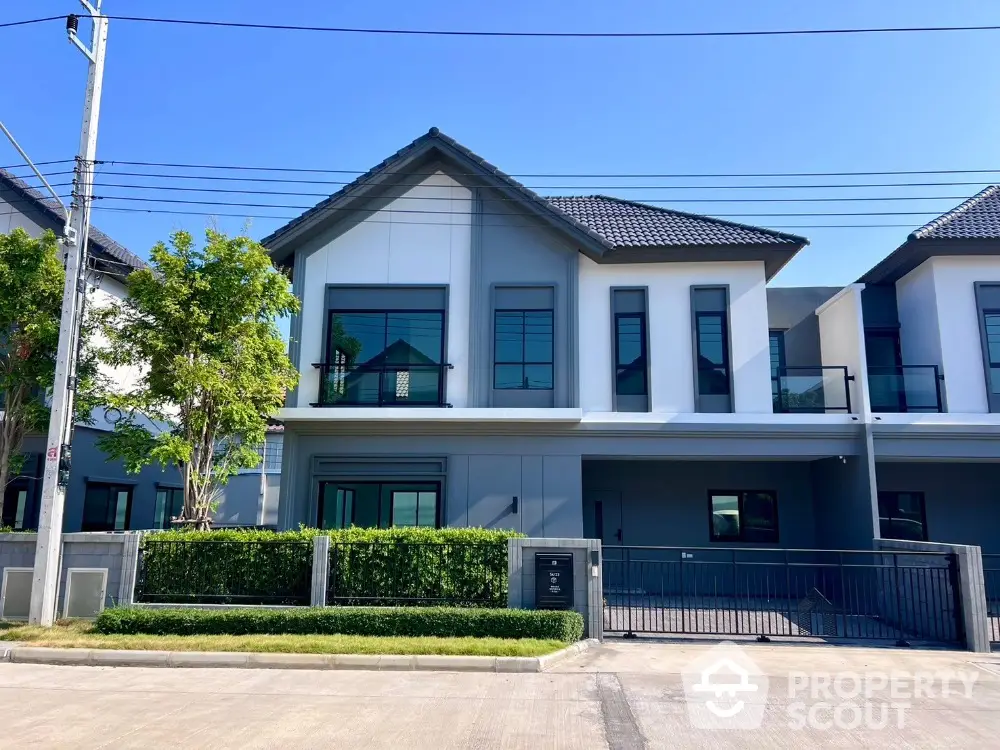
(9, 24)
(37, 164)
(311, 170)
(552, 34)
(216, 214)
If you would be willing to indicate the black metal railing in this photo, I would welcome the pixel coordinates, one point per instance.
(224, 572)
(418, 574)
(811, 390)
(381, 385)
(991, 575)
(905, 388)
(831, 594)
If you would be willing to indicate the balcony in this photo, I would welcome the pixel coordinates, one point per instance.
(906, 388)
(381, 384)
(811, 390)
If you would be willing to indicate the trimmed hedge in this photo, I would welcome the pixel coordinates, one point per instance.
(442, 622)
(465, 567)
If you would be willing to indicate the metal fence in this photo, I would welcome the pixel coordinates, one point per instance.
(991, 574)
(418, 574)
(224, 572)
(832, 594)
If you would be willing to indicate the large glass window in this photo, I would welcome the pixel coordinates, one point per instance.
(712, 333)
(991, 319)
(630, 354)
(743, 516)
(107, 507)
(776, 341)
(169, 504)
(522, 350)
(384, 358)
(901, 516)
(378, 504)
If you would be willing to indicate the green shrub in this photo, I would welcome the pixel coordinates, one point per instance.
(367, 566)
(377, 621)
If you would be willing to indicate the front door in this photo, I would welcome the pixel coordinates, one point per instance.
(607, 516)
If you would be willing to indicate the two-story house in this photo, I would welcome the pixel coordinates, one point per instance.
(474, 354)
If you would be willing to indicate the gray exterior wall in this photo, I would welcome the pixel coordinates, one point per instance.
(512, 249)
(95, 550)
(843, 503)
(793, 310)
(961, 499)
(480, 477)
(665, 503)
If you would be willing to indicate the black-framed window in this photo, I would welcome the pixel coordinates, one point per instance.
(991, 324)
(743, 516)
(523, 350)
(384, 358)
(630, 354)
(107, 507)
(712, 331)
(378, 504)
(902, 515)
(169, 504)
(776, 347)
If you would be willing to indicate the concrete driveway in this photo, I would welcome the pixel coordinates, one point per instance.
(620, 695)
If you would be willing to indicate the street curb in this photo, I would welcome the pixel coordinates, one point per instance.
(240, 660)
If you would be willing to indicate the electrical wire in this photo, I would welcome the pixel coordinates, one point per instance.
(10, 24)
(550, 34)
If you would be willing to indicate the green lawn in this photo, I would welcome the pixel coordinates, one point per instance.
(80, 634)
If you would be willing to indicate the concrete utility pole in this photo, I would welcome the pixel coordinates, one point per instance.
(45, 582)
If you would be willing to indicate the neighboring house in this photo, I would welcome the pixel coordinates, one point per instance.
(576, 366)
(250, 498)
(101, 496)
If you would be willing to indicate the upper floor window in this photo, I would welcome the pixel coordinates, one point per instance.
(384, 358)
(776, 342)
(991, 324)
(713, 353)
(631, 349)
(107, 507)
(523, 351)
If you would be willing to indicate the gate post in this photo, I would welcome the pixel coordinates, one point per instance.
(320, 570)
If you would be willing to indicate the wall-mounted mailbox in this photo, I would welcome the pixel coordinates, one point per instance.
(553, 580)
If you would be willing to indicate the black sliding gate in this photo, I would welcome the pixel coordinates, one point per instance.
(830, 594)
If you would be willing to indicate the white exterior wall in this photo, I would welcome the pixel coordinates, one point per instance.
(919, 329)
(670, 337)
(842, 342)
(401, 244)
(958, 321)
(11, 218)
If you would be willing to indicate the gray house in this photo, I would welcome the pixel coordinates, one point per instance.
(576, 366)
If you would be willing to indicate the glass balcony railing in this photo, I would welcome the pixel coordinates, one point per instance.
(905, 388)
(811, 390)
(381, 385)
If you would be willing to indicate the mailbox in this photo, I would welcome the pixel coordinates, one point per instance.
(553, 580)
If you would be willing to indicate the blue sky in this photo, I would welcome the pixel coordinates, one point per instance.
(788, 104)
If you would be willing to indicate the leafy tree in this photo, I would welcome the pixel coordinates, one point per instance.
(201, 325)
(31, 290)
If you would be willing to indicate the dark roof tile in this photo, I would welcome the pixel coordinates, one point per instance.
(976, 219)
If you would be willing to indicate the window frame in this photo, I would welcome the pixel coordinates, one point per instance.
(524, 362)
(395, 485)
(335, 359)
(643, 351)
(740, 499)
(894, 494)
(118, 488)
(727, 366)
(987, 356)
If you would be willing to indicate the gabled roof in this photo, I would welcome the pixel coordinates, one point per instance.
(976, 219)
(599, 225)
(624, 223)
(967, 229)
(117, 260)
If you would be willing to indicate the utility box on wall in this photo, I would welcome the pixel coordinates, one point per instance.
(553, 580)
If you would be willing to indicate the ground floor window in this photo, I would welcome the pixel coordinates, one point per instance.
(901, 515)
(743, 516)
(378, 504)
(17, 498)
(169, 504)
(107, 507)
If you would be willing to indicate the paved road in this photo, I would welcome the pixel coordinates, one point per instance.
(622, 695)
